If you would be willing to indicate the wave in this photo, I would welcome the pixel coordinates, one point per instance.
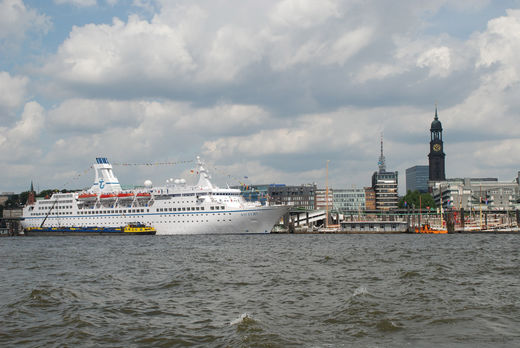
(387, 325)
(362, 290)
(244, 318)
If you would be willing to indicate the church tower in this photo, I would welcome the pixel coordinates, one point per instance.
(437, 155)
(31, 197)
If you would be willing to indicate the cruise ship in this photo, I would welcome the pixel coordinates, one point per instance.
(176, 208)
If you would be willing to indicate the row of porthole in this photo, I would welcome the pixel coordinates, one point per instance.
(166, 222)
(196, 214)
(52, 214)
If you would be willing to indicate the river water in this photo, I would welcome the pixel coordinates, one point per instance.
(261, 291)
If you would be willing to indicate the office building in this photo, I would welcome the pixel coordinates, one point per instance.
(385, 186)
(417, 178)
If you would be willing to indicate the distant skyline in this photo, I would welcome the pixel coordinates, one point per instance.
(268, 90)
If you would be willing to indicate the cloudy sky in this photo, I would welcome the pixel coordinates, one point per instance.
(266, 89)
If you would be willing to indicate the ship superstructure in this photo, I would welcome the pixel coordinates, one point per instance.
(176, 208)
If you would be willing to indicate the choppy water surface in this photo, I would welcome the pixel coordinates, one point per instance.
(261, 291)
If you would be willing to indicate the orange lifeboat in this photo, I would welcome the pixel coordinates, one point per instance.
(143, 196)
(125, 195)
(107, 196)
(87, 196)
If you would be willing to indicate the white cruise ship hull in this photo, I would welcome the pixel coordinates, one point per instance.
(173, 209)
(254, 220)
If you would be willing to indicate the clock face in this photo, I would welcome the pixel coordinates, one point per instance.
(437, 147)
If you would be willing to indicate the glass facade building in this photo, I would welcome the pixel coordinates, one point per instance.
(349, 200)
(302, 196)
(417, 178)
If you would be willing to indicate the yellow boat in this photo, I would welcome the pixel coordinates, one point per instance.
(130, 229)
(139, 229)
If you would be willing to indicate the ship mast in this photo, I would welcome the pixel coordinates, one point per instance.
(327, 196)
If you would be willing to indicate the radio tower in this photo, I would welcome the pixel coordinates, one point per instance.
(381, 163)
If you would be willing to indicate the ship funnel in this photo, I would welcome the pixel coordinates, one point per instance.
(105, 180)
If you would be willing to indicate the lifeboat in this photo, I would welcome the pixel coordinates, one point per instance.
(107, 196)
(125, 195)
(143, 195)
(87, 196)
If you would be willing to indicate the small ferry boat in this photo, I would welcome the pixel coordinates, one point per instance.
(130, 229)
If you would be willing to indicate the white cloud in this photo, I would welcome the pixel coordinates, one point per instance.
(231, 51)
(441, 56)
(309, 134)
(134, 50)
(502, 153)
(500, 45)
(491, 108)
(16, 19)
(19, 141)
(276, 86)
(377, 71)
(142, 126)
(348, 45)
(87, 116)
(186, 46)
(437, 59)
(79, 3)
(259, 173)
(304, 13)
(13, 90)
(31, 124)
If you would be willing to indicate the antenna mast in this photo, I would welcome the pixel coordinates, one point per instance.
(381, 163)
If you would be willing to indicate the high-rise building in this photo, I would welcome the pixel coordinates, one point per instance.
(417, 178)
(436, 157)
(385, 185)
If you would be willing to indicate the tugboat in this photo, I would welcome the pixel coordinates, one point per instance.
(426, 228)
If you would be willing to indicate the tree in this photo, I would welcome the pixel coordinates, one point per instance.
(46, 193)
(412, 200)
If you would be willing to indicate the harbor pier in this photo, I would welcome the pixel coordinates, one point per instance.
(410, 221)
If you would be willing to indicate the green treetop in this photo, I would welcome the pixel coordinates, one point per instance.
(417, 199)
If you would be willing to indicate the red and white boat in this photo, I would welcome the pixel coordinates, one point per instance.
(126, 195)
(87, 196)
(107, 196)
